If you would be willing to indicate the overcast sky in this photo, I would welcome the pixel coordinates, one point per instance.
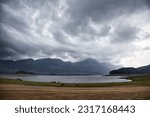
(114, 31)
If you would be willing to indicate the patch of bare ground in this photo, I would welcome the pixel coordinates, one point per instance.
(18, 91)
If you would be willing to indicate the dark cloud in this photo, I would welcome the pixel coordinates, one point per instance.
(125, 33)
(99, 11)
(74, 29)
(147, 3)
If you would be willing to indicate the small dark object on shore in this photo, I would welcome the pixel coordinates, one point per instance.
(19, 79)
(55, 82)
(62, 84)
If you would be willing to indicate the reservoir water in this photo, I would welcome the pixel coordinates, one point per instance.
(68, 79)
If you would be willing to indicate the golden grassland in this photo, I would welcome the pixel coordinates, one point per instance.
(139, 88)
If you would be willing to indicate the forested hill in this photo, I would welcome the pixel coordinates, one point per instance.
(132, 70)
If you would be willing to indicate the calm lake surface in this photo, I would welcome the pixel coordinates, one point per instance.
(69, 79)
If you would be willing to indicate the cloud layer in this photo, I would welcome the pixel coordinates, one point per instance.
(115, 31)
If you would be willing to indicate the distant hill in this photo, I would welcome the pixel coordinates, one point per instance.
(23, 72)
(131, 70)
(56, 67)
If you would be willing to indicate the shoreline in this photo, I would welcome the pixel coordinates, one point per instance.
(15, 78)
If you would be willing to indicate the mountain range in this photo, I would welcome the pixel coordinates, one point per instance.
(55, 67)
(132, 70)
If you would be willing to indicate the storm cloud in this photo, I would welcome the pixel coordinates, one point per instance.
(114, 31)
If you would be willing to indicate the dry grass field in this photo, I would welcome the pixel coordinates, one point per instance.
(17, 91)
